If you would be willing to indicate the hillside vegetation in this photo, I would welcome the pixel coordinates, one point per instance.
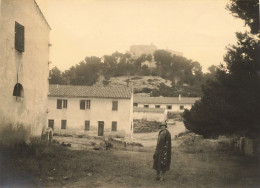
(170, 76)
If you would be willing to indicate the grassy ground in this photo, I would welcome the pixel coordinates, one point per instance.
(57, 166)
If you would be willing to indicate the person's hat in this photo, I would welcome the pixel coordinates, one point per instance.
(163, 124)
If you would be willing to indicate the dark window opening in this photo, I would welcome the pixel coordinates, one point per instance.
(146, 106)
(115, 105)
(59, 104)
(181, 107)
(157, 106)
(136, 104)
(65, 103)
(169, 107)
(19, 37)
(63, 124)
(18, 91)
(87, 125)
(114, 126)
(82, 104)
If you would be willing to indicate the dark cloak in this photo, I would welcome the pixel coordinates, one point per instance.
(162, 155)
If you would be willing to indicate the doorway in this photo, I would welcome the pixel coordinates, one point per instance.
(51, 123)
(101, 128)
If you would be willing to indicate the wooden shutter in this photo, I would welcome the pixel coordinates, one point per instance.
(82, 104)
(19, 37)
(87, 123)
(59, 104)
(63, 124)
(115, 105)
(65, 103)
(88, 104)
(114, 126)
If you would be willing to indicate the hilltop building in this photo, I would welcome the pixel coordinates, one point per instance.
(138, 50)
(95, 110)
(24, 58)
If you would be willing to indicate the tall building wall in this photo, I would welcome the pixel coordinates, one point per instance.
(28, 68)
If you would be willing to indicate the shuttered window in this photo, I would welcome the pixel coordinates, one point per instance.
(65, 103)
(82, 104)
(87, 104)
(87, 125)
(19, 37)
(114, 125)
(59, 104)
(63, 124)
(115, 105)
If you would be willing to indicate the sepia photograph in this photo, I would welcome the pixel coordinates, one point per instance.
(129, 93)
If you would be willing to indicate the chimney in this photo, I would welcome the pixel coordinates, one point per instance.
(179, 97)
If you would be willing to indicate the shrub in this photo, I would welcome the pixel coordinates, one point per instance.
(14, 134)
(105, 82)
(136, 78)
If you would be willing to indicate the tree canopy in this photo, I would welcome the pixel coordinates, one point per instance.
(230, 102)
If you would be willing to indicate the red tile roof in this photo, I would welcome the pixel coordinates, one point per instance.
(165, 100)
(90, 92)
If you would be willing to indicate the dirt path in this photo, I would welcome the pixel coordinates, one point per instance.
(150, 139)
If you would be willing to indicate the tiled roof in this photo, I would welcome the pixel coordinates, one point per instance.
(151, 110)
(90, 92)
(165, 100)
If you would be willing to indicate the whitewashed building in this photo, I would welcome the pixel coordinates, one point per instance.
(24, 58)
(150, 114)
(96, 110)
(156, 108)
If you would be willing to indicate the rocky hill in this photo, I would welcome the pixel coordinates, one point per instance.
(137, 82)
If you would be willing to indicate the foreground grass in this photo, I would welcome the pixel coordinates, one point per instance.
(56, 166)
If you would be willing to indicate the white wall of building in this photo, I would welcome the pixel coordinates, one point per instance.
(175, 107)
(150, 116)
(100, 110)
(31, 66)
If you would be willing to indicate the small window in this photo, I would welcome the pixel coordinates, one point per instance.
(115, 105)
(87, 125)
(135, 104)
(59, 104)
(19, 37)
(181, 107)
(169, 107)
(18, 91)
(82, 104)
(146, 106)
(87, 104)
(114, 125)
(157, 106)
(63, 124)
(65, 103)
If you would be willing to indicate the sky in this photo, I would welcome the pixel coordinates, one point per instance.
(200, 29)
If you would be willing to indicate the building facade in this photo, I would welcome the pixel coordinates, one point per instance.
(94, 110)
(150, 114)
(24, 70)
(158, 107)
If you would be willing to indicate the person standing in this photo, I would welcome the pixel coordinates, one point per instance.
(162, 155)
